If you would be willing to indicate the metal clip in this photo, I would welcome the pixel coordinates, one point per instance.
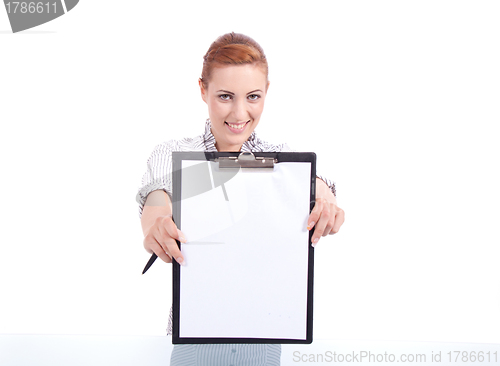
(246, 160)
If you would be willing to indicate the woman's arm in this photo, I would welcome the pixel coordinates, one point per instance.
(159, 229)
(326, 216)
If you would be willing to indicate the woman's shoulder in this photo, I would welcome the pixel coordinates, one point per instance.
(185, 144)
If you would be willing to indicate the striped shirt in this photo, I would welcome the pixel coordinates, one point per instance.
(226, 354)
(158, 175)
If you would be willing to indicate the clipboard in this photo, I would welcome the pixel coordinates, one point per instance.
(249, 262)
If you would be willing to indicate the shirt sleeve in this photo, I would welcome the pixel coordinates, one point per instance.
(329, 183)
(158, 173)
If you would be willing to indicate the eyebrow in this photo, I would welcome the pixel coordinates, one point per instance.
(253, 91)
(228, 92)
(225, 91)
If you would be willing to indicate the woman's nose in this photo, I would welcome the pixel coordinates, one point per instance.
(240, 111)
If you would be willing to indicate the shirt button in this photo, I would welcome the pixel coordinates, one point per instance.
(234, 351)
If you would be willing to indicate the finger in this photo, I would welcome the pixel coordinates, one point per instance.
(331, 222)
(315, 213)
(170, 245)
(158, 250)
(153, 246)
(321, 225)
(167, 232)
(339, 220)
(172, 229)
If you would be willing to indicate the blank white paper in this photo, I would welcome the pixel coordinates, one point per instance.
(247, 257)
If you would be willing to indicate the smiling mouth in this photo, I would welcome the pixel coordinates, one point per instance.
(237, 126)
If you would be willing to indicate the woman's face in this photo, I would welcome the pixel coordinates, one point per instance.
(235, 97)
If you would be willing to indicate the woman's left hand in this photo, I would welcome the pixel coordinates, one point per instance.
(326, 216)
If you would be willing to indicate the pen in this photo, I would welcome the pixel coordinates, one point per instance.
(150, 262)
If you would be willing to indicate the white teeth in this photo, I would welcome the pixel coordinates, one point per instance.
(238, 127)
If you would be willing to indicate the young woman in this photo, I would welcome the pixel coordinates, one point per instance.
(233, 84)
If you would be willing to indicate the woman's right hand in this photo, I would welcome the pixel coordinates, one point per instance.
(160, 239)
(160, 231)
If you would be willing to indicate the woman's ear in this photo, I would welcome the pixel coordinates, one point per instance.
(203, 91)
(267, 86)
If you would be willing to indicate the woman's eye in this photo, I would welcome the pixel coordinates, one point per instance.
(225, 96)
(254, 96)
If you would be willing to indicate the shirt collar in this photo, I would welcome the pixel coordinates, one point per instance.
(209, 139)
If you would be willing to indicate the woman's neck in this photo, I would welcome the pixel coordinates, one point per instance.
(222, 148)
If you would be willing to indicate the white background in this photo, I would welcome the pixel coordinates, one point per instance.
(399, 99)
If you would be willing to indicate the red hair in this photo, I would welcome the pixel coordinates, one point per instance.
(232, 49)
